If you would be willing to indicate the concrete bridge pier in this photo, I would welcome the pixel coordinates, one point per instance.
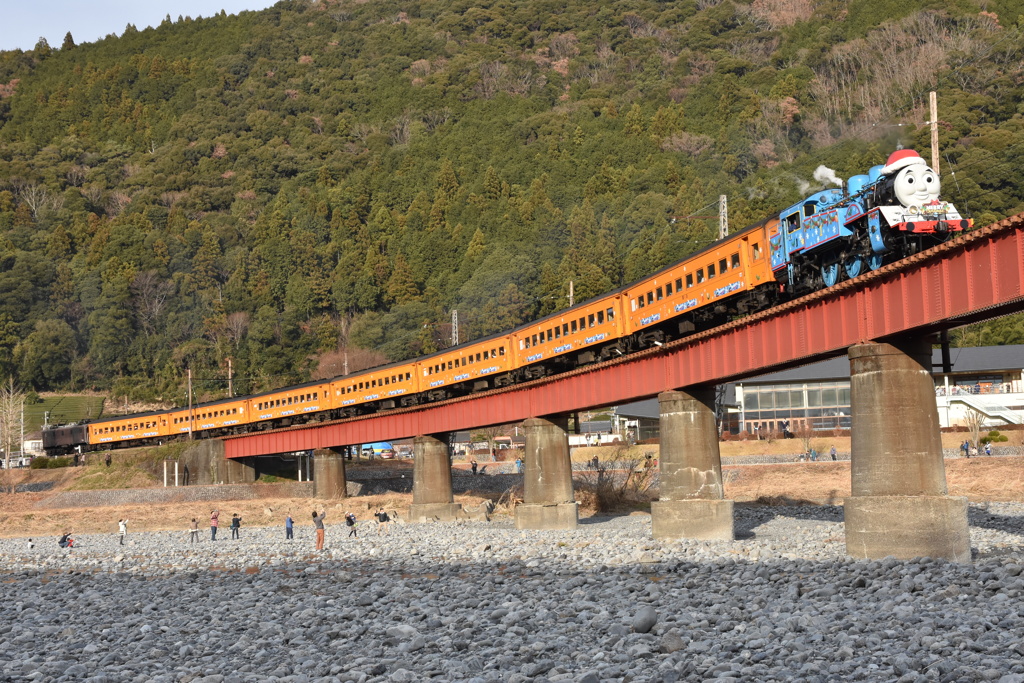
(692, 499)
(899, 504)
(432, 481)
(548, 500)
(329, 480)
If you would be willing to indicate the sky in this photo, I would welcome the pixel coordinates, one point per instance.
(24, 21)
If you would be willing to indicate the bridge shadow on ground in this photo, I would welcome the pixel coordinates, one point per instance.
(749, 516)
(981, 516)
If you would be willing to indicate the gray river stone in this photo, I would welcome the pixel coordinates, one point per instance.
(477, 601)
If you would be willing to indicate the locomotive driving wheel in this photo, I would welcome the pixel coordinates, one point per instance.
(830, 273)
(853, 265)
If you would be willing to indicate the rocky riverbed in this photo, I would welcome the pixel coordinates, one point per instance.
(483, 602)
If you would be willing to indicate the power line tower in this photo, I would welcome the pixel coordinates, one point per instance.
(455, 327)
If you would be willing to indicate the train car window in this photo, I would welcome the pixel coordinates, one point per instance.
(756, 250)
(501, 350)
(679, 284)
(723, 266)
(668, 288)
(590, 320)
(450, 365)
(640, 301)
(611, 314)
(711, 270)
(650, 297)
(600, 317)
(700, 275)
(534, 340)
(736, 260)
(658, 294)
(565, 330)
(583, 324)
(689, 280)
(551, 335)
(558, 331)
(572, 326)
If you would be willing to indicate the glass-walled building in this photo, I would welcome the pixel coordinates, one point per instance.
(777, 408)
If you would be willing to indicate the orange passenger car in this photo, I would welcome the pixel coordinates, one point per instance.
(390, 385)
(128, 428)
(293, 402)
(726, 268)
(484, 363)
(579, 330)
(226, 414)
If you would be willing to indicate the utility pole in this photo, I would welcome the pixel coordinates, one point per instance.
(455, 327)
(231, 390)
(189, 405)
(723, 217)
(934, 106)
(572, 298)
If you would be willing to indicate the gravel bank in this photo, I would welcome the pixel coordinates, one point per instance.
(483, 602)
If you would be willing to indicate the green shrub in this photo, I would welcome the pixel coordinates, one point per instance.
(40, 463)
(56, 463)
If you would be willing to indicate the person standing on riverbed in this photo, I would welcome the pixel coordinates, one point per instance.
(318, 522)
(122, 529)
(214, 516)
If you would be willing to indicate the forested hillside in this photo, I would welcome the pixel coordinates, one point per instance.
(282, 186)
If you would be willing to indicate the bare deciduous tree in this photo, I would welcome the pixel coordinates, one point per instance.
(973, 421)
(11, 405)
(150, 293)
(237, 326)
(34, 195)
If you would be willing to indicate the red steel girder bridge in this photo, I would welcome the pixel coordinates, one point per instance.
(974, 277)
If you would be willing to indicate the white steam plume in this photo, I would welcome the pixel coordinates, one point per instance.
(824, 174)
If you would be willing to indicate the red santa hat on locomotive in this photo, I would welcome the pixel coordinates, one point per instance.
(900, 159)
